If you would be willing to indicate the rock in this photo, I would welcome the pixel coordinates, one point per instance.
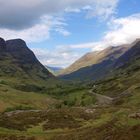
(90, 111)
(135, 116)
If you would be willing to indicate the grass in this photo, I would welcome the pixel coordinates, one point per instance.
(48, 97)
(78, 98)
(85, 126)
(104, 120)
(12, 98)
(67, 111)
(36, 130)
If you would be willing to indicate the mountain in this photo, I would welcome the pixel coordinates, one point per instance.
(94, 65)
(17, 60)
(125, 75)
(86, 60)
(54, 70)
(108, 110)
(132, 54)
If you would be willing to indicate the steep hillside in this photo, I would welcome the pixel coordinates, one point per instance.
(102, 64)
(125, 77)
(118, 121)
(84, 61)
(70, 112)
(17, 60)
(22, 74)
(132, 54)
(94, 58)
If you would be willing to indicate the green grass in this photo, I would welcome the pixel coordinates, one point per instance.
(12, 98)
(36, 130)
(78, 98)
(71, 112)
(21, 94)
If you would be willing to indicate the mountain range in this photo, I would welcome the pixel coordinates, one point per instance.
(97, 65)
(36, 105)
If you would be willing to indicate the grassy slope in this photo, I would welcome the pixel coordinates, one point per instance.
(79, 123)
(76, 123)
(40, 94)
(113, 122)
(126, 78)
(84, 64)
(99, 123)
(10, 97)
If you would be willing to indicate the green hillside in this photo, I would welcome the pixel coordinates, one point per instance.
(35, 105)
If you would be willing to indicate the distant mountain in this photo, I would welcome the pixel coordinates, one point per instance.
(86, 60)
(17, 60)
(94, 65)
(54, 70)
(94, 58)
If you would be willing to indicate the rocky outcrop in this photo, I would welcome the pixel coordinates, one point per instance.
(135, 115)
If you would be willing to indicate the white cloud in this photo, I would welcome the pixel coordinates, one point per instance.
(124, 30)
(121, 31)
(38, 32)
(90, 45)
(75, 10)
(31, 34)
(22, 14)
(33, 20)
(58, 57)
(25, 19)
(103, 9)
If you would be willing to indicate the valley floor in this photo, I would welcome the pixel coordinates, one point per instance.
(119, 121)
(65, 112)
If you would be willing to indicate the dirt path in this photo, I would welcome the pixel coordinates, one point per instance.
(106, 100)
(102, 99)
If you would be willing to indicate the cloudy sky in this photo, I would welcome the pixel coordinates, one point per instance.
(61, 31)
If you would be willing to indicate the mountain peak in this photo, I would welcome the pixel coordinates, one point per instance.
(19, 50)
(18, 40)
(21, 59)
(15, 44)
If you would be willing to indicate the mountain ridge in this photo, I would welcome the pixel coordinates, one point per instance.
(104, 63)
(92, 58)
(20, 59)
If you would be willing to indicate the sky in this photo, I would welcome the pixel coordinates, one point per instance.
(61, 31)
